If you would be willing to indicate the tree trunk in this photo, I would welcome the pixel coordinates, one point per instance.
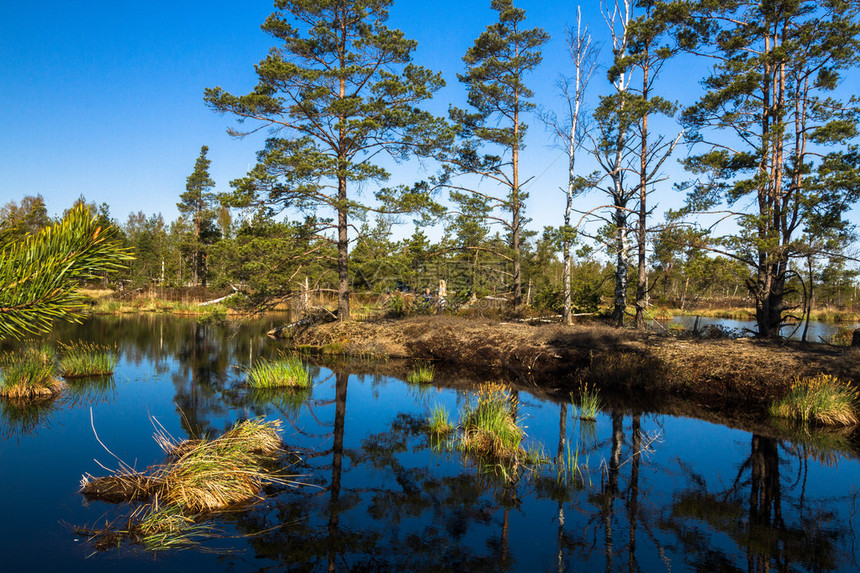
(515, 205)
(342, 252)
(620, 265)
(642, 273)
(567, 317)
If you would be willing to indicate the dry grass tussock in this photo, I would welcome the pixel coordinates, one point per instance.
(197, 479)
(821, 399)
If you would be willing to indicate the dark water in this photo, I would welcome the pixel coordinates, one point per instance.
(657, 492)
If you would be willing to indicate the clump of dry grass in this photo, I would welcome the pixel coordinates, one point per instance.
(198, 479)
(821, 399)
(29, 374)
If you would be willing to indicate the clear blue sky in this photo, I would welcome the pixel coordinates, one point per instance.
(105, 99)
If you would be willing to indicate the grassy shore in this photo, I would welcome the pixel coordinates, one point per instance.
(103, 301)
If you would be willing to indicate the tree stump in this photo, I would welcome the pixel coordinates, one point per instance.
(855, 338)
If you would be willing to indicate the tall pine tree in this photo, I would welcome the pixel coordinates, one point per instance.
(339, 89)
(774, 128)
(497, 66)
(198, 203)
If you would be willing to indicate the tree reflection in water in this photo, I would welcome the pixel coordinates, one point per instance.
(750, 512)
(387, 501)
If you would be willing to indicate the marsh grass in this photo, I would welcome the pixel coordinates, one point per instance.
(29, 374)
(440, 423)
(487, 433)
(198, 479)
(821, 399)
(489, 428)
(422, 374)
(589, 400)
(285, 372)
(842, 337)
(81, 360)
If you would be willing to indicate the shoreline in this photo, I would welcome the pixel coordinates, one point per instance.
(719, 374)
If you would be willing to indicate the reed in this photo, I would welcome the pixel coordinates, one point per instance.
(81, 360)
(821, 399)
(286, 372)
(440, 423)
(422, 374)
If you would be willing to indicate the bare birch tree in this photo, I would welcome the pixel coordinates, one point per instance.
(569, 133)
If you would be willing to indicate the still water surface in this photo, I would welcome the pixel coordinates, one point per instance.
(817, 332)
(658, 493)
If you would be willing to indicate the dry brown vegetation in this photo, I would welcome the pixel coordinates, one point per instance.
(723, 370)
(198, 477)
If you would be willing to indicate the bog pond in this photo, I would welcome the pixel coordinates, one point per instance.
(651, 491)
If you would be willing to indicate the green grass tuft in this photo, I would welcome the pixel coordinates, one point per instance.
(422, 374)
(288, 372)
(440, 422)
(821, 399)
(80, 360)
(590, 403)
(28, 373)
(489, 427)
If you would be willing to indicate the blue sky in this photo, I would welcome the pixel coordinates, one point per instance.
(105, 99)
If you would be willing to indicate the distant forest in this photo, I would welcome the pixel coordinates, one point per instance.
(775, 160)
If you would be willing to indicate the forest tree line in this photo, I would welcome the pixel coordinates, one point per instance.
(773, 139)
(268, 259)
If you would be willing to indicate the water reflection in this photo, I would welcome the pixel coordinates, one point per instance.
(750, 512)
(649, 492)
(21, 418)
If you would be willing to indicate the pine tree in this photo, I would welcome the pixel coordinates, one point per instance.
(767, 120)
(340, 89)
(198, 203)
(497, 65)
